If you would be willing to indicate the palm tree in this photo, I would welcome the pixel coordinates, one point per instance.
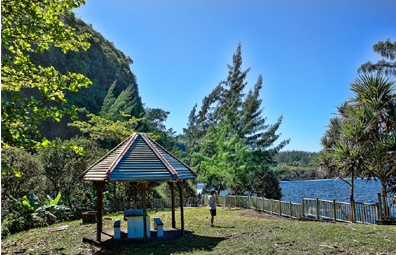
(362, 138)
(375, 98)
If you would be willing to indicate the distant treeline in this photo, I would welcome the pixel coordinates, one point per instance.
(297, 165)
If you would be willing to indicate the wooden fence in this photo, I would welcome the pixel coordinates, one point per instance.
(387, 207)
(308, 208)
(314, 208)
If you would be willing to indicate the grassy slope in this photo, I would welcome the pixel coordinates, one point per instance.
(236, 232)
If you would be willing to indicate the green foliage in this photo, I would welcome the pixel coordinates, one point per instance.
(21, 172)
(102, 63)
(62, 167)
(387, 65)
(265, 184)
(30, 27)
(31, 212)
(108, 132)
(297, 165)
(120, 108)
(153, 122)
(228, 140)
(361, 139)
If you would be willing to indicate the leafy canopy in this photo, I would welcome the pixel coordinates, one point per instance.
(30, 27)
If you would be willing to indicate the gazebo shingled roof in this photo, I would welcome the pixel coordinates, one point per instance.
(138, 159)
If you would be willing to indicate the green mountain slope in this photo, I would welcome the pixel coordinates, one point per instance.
(102, 63)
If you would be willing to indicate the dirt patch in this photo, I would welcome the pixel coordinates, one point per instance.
(258, 214)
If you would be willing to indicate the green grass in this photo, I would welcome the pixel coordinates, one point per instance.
(236, 232)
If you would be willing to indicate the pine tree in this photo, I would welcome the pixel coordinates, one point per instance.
(387, 65)
(233, 139)
(120, 108)
(108, 101)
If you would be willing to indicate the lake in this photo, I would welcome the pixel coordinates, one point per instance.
(365, 190)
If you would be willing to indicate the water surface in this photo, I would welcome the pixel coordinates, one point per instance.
(365, 190)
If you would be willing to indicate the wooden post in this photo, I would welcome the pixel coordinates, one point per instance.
(280, 207)
(272, 206)
(379, 207)
(181, 206)
(302, 207)
(134, 197)
(334, 211)
(99, 209)
(353, 213)
(290, 208)
(317, 208)
(172, 186)
(143, 187)
(378, 211)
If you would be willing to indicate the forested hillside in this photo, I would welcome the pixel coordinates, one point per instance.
(102, 63)
(297, 165)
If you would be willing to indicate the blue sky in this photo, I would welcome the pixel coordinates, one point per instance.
(307, 51)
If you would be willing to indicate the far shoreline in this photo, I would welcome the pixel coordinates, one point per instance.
(329, 179)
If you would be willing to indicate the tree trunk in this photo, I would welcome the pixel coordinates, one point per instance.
(352, 187)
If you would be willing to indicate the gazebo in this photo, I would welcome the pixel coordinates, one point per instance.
(143, 162)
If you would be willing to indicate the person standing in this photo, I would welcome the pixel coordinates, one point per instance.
(212, 205)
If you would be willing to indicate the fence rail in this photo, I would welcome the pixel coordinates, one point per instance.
(387, 207)
(308, 208)
(316, 208)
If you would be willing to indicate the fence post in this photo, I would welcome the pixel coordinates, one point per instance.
(378, 211)
(334, 211)
(280, 207)
(353, 216)
(317, 208)
(302, 207)
(290, 208)
(272, 206)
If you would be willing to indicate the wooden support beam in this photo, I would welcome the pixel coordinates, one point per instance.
(99, 209)
(180, 183)
(172, 186)
(143, 186)
(135, 197)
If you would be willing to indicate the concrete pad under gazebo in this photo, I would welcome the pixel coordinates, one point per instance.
(143, 162)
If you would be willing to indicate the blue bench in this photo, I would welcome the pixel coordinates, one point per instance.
(117, 229)
(159, 226)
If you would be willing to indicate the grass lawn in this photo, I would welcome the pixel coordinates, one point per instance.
(235, 232)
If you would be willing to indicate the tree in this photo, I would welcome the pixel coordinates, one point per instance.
(28, 169)
(62, 167)
(229, 138)
(108, 133)
(375, 98)
(362, 139)
(119, 108)
(153, 122)
(387, 65)
(30, 27)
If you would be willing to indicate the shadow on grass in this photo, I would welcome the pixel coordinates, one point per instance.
(222, 227)
(186, 244)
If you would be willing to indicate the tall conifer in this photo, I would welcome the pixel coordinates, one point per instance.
(234, 141)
